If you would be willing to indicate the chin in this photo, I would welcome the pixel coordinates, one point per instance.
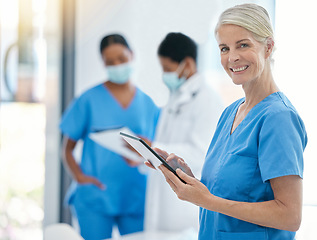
(238, 81)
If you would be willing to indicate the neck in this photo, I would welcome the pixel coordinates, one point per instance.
(114, 86)
(258, 89)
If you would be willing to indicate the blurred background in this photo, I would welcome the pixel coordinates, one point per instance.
(49, 53)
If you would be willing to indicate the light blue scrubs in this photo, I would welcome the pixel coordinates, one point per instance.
(124, 196)
(268, 143)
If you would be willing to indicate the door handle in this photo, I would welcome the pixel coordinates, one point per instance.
(5, 70)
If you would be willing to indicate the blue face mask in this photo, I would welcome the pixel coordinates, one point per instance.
(172, 81)
(119, 74)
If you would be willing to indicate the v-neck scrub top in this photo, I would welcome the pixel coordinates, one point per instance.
(268, 143)
(97, 109)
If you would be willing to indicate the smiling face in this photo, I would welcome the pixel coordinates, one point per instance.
(243, 58)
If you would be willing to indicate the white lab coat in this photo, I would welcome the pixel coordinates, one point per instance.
(185, 127)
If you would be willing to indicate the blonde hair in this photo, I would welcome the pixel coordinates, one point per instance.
(252, 17)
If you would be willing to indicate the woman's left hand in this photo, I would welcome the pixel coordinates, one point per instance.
(194, 191)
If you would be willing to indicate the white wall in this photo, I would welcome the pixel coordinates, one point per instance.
(296, 38)
(144, 23)
(295, 62)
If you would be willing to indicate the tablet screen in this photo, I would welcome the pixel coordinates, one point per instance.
(147, 152)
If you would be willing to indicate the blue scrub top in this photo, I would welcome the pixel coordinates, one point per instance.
(268, 143)
(97, 109)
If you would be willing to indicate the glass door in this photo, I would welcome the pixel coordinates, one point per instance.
(26, 72)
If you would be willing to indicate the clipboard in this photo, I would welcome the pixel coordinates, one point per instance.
(110, 139)
(147, 152)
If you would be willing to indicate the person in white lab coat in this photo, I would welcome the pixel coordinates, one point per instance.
(186, 126)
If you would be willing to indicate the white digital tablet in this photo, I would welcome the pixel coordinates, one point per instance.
(147, 152)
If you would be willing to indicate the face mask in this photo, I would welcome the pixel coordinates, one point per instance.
(119, 74)
(172, 81)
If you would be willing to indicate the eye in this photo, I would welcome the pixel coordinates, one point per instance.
(224, 49)
(244, 45)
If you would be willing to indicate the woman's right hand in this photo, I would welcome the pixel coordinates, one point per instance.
(176, 162)
(173, 160)
(85, 179)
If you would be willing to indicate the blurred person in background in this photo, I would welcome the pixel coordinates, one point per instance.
(185, 126)
(106, 191)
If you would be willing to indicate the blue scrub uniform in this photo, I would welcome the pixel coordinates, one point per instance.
(122, 202)
(268, 143)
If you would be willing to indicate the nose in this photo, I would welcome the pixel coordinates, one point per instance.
(233, 56)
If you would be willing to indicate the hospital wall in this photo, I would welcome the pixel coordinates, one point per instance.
(145, 24)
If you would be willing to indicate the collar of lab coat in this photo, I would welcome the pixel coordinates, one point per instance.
(188, 90)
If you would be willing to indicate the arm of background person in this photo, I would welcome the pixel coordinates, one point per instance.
(73, 167)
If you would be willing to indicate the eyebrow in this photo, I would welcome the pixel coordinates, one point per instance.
(242, 40)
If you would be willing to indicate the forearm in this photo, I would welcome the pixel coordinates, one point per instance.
(272, 213)
(71, 165)
(68, 159)
(74, 168)
(284, 212)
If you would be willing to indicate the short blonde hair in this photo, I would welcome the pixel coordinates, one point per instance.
(252, 17)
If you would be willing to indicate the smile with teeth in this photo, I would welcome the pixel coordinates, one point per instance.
(240, 69)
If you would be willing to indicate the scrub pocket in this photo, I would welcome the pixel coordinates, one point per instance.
(236, 176)
(88, 195)
(242, 236)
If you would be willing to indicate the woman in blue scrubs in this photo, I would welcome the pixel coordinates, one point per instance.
(107, 191)
(251, 185)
